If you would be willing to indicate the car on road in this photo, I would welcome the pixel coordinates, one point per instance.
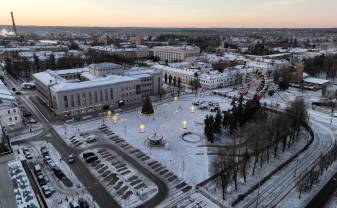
(18, 93)
(71, 158)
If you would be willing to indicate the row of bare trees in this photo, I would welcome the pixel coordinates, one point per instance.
(311, 177)
(269, 135)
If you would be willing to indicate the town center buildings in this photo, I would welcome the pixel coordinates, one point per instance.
(75, 92)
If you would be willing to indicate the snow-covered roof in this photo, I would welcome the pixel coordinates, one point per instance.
(102, 81)
(189, 72)
(314, 80)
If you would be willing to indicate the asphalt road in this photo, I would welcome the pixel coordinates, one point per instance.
(99, 193)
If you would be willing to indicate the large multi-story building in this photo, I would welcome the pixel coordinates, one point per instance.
(174, 53)
(75, 92)
(139, 52)
(209, 79)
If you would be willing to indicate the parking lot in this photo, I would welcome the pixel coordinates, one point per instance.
(58, 185)
(128, 186)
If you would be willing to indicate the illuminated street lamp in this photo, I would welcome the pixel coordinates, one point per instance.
(175, 98)
(184, 124)
(114, 119)
(193, 109)
(141, 128)
(108, 114)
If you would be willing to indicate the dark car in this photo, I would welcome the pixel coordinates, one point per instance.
(88, 154)
(91, 159)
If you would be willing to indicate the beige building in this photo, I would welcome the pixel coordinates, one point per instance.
(90, 93)
(174, 53)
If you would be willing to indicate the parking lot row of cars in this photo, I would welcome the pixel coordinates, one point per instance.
(203, 105)
(177, 185)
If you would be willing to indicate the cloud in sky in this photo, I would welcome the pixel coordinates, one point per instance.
(173, 13)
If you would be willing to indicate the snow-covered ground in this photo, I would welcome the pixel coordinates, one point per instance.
(214, 188)
(182, 157)
(23, 191)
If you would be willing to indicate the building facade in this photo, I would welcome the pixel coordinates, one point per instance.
(175, 54)
(90, 93)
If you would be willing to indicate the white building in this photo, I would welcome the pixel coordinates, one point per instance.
(10, 114)
(76, 92)
(175, 53)
(208, 79)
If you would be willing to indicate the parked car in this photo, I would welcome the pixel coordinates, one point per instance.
(88, 154)
(214, 109)
(196, 103)
(27, 154)
(203, 107)
(90, 139)
(18, 93)
(91, 159)
(71, 158)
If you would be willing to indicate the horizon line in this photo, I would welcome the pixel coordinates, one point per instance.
(172, 27)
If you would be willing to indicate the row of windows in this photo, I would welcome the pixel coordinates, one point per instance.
(11, 119)
(9, 111)
(83, 99)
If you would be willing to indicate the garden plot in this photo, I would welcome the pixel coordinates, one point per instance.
(57, 181)
(23, 191)
(128, 186)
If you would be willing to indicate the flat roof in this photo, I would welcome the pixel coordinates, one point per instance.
(316, 80)
(108, 80)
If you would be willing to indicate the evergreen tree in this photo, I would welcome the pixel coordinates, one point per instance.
(179, 82)
(147, 108)
(170, 79)
(165, 78)
(217, 122)
(174, 81)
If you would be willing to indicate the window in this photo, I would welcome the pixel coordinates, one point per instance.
(90, 98)
(65, 101)
(101, 95)
(16, 118)
(72, 101)
(10, 119)
(106, 95)
(95, 95)
(84, 99)
(9, 111)
(14, 110)
(78, 100)
(111, 94)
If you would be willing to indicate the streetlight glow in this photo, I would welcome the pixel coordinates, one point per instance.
(184, 124)
(141, 128)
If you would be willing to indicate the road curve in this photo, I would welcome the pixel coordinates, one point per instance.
(277, 188)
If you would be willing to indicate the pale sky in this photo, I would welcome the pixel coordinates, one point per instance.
(171, 13)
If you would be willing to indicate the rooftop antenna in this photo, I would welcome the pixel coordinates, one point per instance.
(14, 26)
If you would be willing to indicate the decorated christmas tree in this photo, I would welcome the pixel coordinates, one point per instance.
(147, 107)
